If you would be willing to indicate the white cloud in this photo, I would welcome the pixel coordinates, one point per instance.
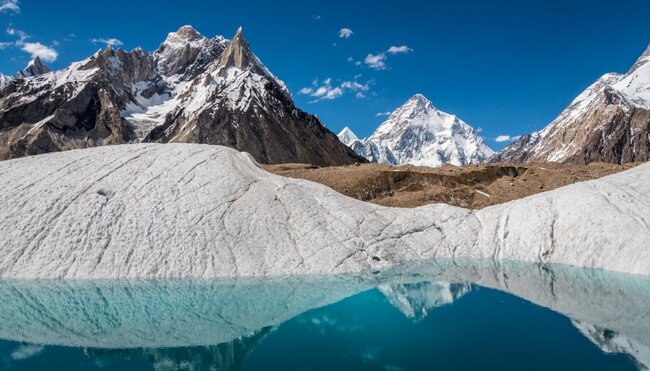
(383, 114)
(22, 35)
(399, 49)
(109, 41)
(10, 6)
(376, 61)
(345, 33)
(325, 90)
(479, 130)
(315, 17)
(5, 44)
(46, 53)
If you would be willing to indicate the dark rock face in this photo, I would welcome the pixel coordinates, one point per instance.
(192, 89)
(34, 68)
(611, 131)
(623, 138)
(77, 107)
(258, 117)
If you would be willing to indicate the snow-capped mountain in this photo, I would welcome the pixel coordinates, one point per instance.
(418, 133)
(4, 80)
(35, 67)
(347, 136)
(608, 122)
(191, 89)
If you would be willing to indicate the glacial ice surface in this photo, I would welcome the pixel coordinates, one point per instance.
(189, 210)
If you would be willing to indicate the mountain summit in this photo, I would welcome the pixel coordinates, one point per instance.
(418, 133)
(35, 67)
(347, 136)
(191, 89)
(608, 122)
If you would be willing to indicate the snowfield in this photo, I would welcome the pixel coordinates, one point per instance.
(188, 210)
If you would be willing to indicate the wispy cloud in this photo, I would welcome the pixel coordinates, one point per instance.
(505, 138)
(315, 17)
(37, 49)
(326, 90)
(22, 35)
(107, 41)
(399, 49)
(10, 6)
(379, 114)
(376, 61)
(345, 33)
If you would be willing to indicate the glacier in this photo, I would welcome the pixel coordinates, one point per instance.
(202, 211)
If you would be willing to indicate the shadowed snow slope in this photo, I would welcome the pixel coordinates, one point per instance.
(186, 210)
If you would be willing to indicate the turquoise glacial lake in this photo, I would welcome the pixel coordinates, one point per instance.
(435, 316)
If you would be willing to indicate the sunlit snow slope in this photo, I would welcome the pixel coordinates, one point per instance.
(187, 210)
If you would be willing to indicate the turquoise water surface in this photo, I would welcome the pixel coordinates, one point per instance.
(437, 316)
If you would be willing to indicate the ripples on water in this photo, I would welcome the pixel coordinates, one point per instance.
(439, 315)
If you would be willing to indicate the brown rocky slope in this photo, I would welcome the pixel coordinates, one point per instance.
(471, 186)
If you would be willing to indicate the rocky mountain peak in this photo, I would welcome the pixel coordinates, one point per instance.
(191, 89)
(416, 106)
(179, 50)
(35, 67)
(420, 134)
(186, 32)
(419, 100)
(238, 53)
(347, 136)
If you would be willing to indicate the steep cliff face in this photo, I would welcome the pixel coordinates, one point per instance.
(237, 102)
(608, 122)
(192, 89)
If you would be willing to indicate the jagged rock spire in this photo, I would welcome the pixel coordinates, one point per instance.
(238, 54)
(35, 67)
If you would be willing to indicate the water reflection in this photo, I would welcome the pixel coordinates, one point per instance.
(175, 324)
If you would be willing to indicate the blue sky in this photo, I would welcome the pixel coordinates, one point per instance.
(508, 67)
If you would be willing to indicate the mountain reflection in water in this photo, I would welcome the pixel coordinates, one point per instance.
(241, 324)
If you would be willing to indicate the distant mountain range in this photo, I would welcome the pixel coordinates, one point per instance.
(418, 133)
(216, 91)
(191, 89)
(608, 122)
